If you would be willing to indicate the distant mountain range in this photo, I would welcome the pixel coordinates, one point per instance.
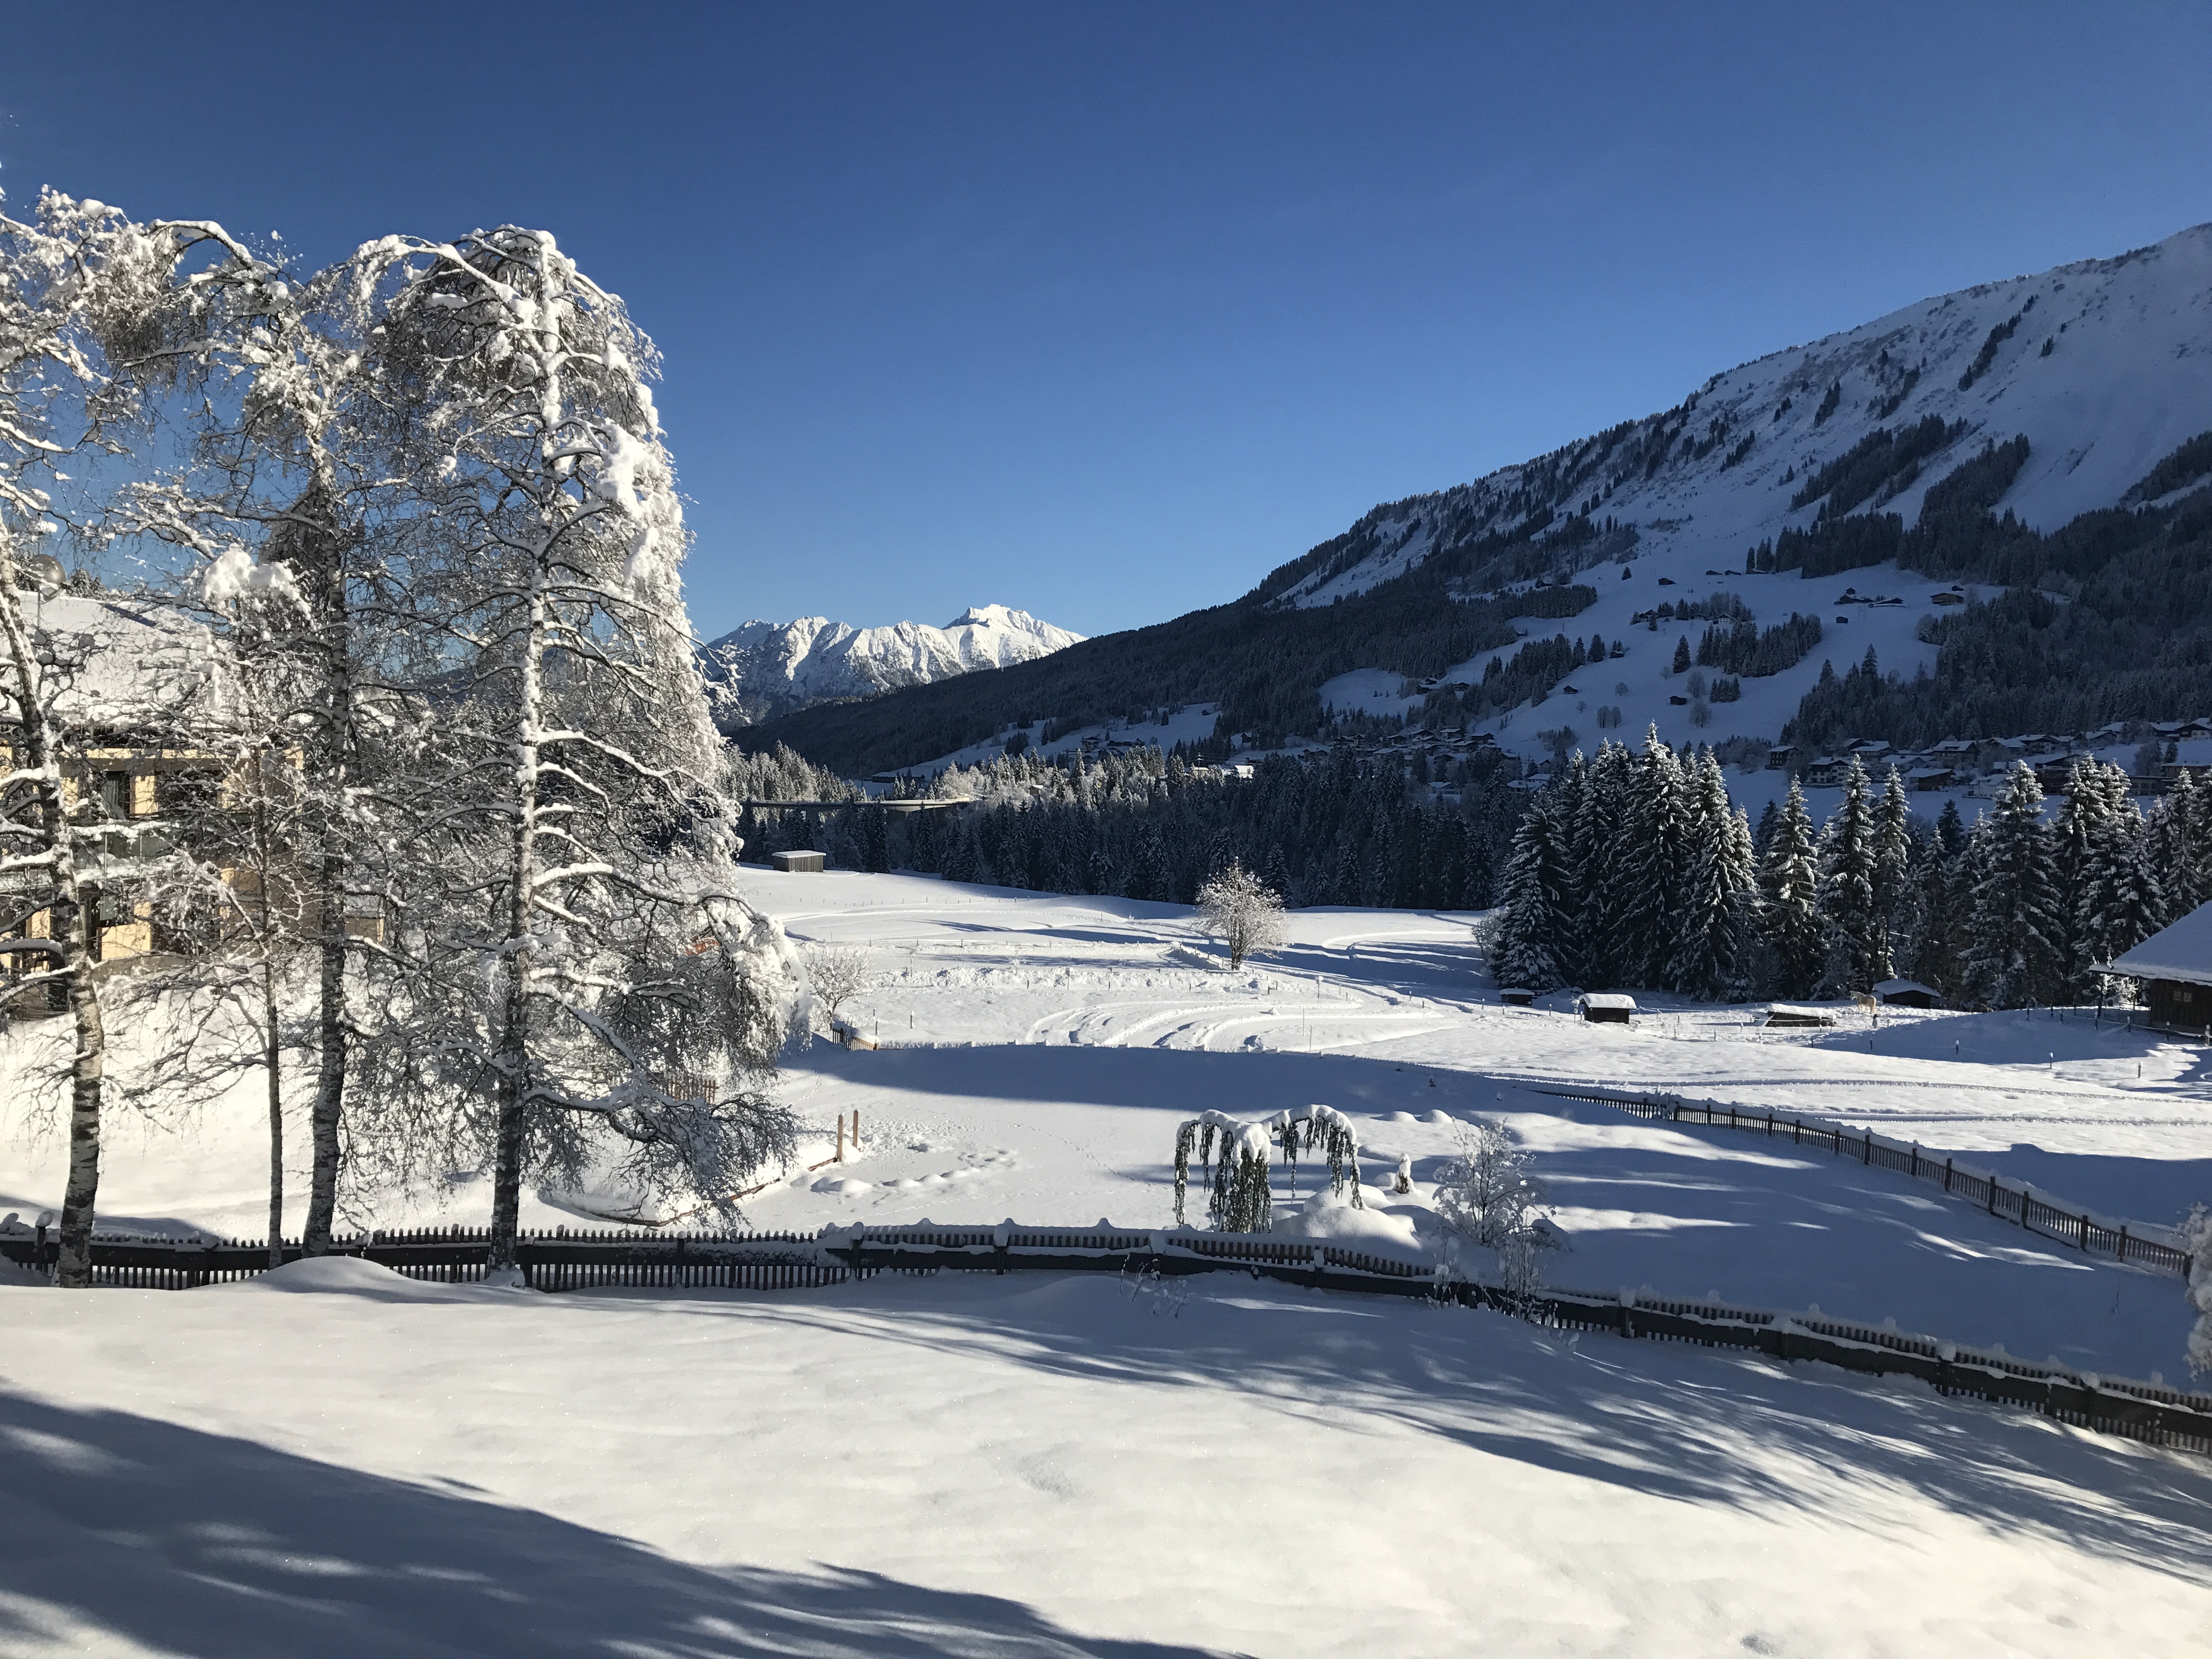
(763, 669)
(1974, 439)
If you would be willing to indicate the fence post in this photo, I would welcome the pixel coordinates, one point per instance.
(2123, 1241)
(1947, 1175)
(1868, 1158)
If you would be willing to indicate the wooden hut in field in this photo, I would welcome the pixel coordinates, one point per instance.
(1907, 994)
(1606, 1007)
(2175, 966)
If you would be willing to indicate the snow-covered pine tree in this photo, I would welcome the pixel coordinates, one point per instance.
(1524, 950)
(1653, 862)
(2179, 841)
(1857, 945)
(1788, 883)
(1893, 853)
(2084, 823)
(588, 935)
(2117, 904)
(1717, 931)
(1594, 870)
(2014, 954)
(1927, 921)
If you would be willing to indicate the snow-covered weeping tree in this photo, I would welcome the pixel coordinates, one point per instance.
(1240, 910)
(1241, 1198)
(586, 936)
(78, 282)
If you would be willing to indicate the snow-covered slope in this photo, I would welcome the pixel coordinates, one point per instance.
(2107, 368)
(2104, 366)
(765, 668)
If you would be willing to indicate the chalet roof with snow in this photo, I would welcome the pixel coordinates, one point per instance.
(1893, 986)
(1609, 999)
(2183, 951)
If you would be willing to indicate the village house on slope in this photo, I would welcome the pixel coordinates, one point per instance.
(2175, 965)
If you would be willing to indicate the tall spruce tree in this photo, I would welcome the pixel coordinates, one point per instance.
(1788, 885)
(1523, 952)
(2118, 900)
(2015, 951)
(1856, 941)
(1893, 852)
(1716, 927)
(1651, 863)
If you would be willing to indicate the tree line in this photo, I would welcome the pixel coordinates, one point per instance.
(1337, 828)
(1633, 869)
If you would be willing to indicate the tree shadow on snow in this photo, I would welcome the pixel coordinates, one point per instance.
(122, 1527)
(1694, 1424)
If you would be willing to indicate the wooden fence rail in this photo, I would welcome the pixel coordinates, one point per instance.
(567, 1260)
(1981, 1187)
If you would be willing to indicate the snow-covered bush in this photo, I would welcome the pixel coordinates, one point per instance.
(2196, 1239)
(1489, 1195)
(1238, 908)
(837, 975)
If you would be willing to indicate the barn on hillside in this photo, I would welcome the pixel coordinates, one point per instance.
(2175, 965)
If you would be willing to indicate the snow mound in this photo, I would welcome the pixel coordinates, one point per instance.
(1331, 1216)
(348, 1275)
(842, 1186)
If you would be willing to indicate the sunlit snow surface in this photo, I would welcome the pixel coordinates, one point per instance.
(1033, 1465)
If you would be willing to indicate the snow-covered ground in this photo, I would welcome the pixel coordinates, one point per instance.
(1036, 1465)
(1025, 1468)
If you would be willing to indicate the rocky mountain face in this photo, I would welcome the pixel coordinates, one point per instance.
(764, 670)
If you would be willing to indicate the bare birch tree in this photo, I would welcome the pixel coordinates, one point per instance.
(591, 943)
(78, 284)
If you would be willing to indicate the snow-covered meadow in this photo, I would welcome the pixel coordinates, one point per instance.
(1057, 1465)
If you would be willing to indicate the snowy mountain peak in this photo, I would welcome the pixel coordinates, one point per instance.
(763, 669)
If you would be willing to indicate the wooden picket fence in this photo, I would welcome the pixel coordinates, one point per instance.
(565, 1259)
(2075, 1226)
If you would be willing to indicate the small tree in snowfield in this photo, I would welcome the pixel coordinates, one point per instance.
(1237, 908)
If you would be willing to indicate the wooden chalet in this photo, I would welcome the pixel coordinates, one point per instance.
(2175, 966)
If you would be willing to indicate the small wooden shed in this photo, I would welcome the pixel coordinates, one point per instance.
(796, 863)
(1786, 1014)
(2175, 965)
(1908, 993)
(1606, 1007)
(1517, 996)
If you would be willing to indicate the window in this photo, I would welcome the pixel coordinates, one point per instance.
(115, 794)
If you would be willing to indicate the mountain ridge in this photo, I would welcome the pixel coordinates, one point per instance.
(2078, 380)
(760, 670)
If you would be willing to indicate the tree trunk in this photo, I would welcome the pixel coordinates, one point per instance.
(68, 921)
(330, 1079)
(331, 1025)
(515, 1038)
(273, 1056)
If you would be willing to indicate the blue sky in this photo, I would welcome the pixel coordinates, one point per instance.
(1104, 311)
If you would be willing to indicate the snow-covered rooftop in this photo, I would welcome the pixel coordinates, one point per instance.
(2183, 951)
